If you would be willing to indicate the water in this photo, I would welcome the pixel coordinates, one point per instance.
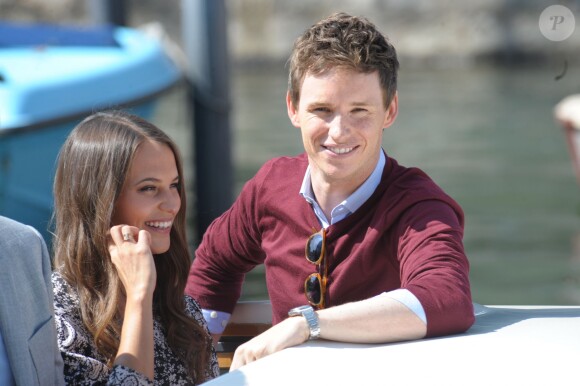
(487, 136)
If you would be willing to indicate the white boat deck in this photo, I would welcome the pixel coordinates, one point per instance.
(507, 345)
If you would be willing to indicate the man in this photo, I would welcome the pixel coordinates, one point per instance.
(384, 255)
(29, 353)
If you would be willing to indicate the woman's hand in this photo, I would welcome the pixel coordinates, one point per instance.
(131, 254)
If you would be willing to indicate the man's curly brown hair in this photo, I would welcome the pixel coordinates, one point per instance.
(342, 40)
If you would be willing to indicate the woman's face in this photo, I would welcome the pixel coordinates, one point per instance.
(150, 197)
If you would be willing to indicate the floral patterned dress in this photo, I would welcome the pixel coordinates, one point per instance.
(83, 365)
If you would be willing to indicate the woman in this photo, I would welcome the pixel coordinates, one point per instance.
(122, 261)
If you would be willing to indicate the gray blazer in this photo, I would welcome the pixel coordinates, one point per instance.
(26, 306)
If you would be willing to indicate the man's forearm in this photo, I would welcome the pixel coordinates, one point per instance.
(376, 320)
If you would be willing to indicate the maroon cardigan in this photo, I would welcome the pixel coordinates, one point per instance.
(408, 234)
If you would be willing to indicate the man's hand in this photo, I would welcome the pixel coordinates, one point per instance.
(290, 332)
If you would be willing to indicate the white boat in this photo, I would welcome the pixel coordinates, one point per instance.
(507, 345)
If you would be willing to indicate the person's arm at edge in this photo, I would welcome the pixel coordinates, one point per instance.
(46, 272)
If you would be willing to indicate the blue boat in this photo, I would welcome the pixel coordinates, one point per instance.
(51, 77)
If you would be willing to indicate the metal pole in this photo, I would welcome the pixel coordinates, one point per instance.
(205, 43)
(108, 11)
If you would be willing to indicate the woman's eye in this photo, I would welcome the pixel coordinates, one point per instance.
(175, 185)
(147, 189)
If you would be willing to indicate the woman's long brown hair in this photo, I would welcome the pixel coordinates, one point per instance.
(92, 167)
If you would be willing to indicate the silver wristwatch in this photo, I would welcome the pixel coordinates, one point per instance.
(311, 319)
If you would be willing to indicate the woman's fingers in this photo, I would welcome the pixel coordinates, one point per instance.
(144, 238)
(124, 233)
(127, 236)
(131, 254)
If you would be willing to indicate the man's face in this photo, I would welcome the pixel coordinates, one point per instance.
(341, 115)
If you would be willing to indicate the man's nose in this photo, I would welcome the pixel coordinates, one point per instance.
(338, 126)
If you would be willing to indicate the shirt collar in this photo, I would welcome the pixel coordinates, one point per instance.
(358, 197)
(366, 190)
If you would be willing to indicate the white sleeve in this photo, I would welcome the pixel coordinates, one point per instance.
(408, 299)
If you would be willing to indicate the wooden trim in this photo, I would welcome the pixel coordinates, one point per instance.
(234, 335)
(245, 329)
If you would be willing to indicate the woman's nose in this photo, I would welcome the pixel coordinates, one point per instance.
(171, 202)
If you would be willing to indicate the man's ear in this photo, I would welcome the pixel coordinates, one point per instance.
(392, 111)
(292, 111)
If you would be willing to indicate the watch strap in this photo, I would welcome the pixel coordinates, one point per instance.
(311, 319)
